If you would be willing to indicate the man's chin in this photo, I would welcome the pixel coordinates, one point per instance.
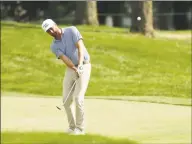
(53, 35)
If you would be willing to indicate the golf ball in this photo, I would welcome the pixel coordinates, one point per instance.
(138, 18)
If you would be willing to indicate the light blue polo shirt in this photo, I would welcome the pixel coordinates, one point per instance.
(66, 46)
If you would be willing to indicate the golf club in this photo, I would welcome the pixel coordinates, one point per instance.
(58, 107)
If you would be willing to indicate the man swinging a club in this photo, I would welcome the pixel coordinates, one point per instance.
(68, 46)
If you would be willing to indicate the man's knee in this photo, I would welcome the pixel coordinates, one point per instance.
(79, 101)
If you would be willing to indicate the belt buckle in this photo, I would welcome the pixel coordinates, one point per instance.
(86, 62)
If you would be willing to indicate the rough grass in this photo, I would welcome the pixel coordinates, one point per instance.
(122, 64)
(57, 138)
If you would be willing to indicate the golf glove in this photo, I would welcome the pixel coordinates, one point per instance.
(80, 70)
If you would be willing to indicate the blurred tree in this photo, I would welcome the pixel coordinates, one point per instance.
(165, 7)
(181, 22)
(143, 9)
(22, 10)
(86, 13)
(114, 9)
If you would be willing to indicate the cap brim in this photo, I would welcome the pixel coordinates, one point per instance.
(48, 27)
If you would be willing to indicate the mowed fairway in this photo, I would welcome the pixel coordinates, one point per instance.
(138, 121)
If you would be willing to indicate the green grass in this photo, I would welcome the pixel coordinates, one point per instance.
(57, 138)
(175, 31)
(122, 64)
(101, 28)
(150, 99)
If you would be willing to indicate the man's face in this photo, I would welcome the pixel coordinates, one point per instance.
(53, 31)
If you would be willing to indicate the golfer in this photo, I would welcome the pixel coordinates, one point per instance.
(68, 46)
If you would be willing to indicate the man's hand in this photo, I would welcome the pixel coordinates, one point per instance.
(75, 69)
(69, 63)
(80, 70)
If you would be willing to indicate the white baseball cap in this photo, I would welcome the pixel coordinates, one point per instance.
(48, 23)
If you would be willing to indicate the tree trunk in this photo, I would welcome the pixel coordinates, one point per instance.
(144, 10)
(147, 23)
(86, 13)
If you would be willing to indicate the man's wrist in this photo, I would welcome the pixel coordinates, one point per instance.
(80, 63)
(74, 68)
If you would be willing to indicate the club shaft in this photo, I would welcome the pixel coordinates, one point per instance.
(68, 94)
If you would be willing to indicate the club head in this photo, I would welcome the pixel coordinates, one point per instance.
(58, 108)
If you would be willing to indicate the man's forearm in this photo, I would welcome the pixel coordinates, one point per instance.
(80, 55)
(67, 61)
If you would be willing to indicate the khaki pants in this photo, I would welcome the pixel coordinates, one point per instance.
(77, 93)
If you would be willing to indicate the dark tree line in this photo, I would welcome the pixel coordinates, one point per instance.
(86, 12)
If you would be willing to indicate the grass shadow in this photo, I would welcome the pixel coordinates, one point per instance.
(58, 138)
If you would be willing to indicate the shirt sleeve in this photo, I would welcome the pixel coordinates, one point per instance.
(56, 51)
(76, 35)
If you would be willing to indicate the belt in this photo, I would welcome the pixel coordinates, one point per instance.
(84, 62)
